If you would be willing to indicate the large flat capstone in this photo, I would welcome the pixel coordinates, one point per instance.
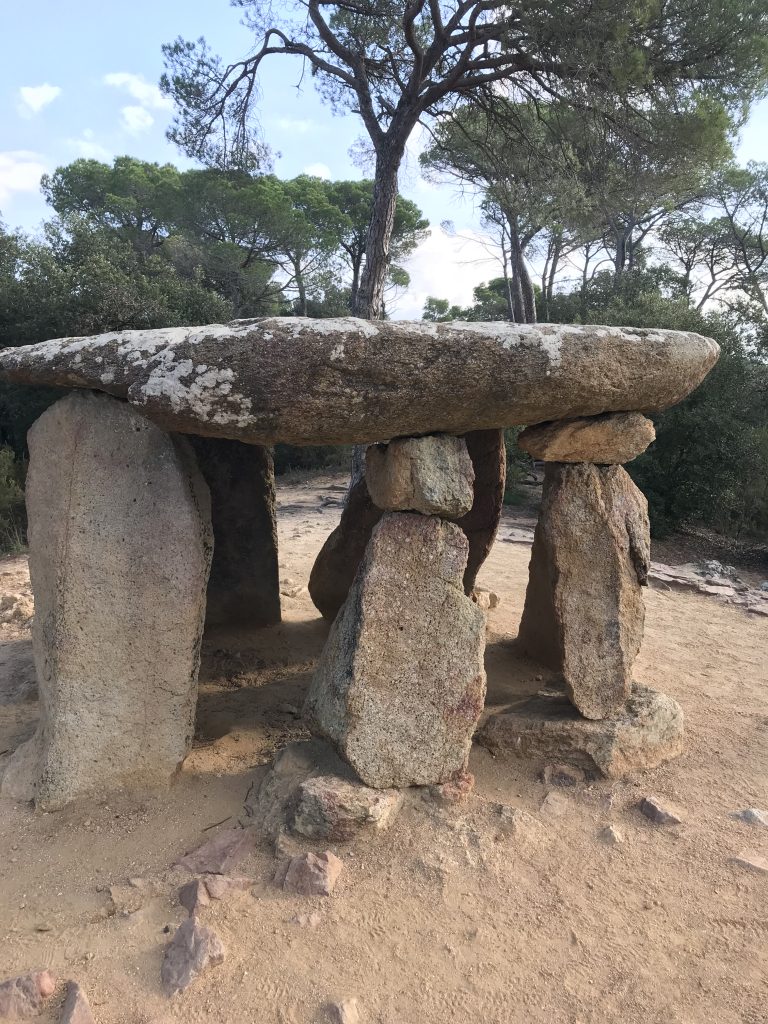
(120, 548)
(345, 380)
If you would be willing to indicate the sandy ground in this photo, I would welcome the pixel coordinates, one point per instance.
(444, 917)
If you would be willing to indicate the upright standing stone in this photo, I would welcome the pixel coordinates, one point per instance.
(489, 461)
(120, 550)
(341, 554)
(244, 586)
(401, 683)
(584, 610)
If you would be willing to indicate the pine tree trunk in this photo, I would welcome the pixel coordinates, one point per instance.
(369, 302)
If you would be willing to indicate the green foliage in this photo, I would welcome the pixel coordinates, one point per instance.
(12, 510)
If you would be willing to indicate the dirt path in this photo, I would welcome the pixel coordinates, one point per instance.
(446, 917)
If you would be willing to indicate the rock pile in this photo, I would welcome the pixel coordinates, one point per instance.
(584, 610)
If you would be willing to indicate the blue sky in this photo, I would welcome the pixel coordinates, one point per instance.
(78, 78)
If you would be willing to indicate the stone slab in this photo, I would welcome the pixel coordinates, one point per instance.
(611, 439)
(347, 380)
(646, 734)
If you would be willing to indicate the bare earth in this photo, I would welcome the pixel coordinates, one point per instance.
(445, 917)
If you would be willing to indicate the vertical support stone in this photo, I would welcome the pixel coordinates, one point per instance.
(401, 683)
(489, 460)
(120, 550)
(244, 585)
(339, 558)
(584, 610)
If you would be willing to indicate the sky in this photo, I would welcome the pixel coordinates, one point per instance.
(79, 79)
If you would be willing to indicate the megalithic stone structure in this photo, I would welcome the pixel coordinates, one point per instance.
(121, 538)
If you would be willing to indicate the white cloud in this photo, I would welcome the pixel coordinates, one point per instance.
(87, 146)
(294, 126)
(136, 119)
(32, 98)
(20, 171)
(447, 266)
(138, 88)
(318, 171)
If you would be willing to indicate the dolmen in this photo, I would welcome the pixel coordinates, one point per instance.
(151, 512)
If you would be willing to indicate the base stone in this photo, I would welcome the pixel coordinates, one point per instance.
(310, 792)
(120, 549)
(244, 585)
(648, 732)
(400, 685)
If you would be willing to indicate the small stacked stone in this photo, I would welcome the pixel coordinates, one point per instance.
(401, 682)
(584, 612)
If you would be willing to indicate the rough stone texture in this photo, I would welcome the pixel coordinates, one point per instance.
(584, 611)
(338, 381)
(430, 474)
(192, 949)
(346, 1012)
(659, 812)
(244, 586)
(489, 462)
(311, 792)
(220, 854)
(24, 996)
(339, 558)
(752, 862)
(607, 440)
(401, 683)
(220, 887)
(310, 874)
(332, 808)
(456, 791)
(120, 549)
(76, 1009)
(342, 553)
(648, 732)
(753, 816)
(194, 895)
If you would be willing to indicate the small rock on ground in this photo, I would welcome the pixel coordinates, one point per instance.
(658, 812)
(611, 836)
(24, 995)
(331, 807)
(564, 775)
(554, 805)
(752, 862)
(221, 886)
(192, 949)
(221, 853)
(76, 1009)
(455, 791)
(310, 874)
(752, 816)
(485, 599)
(346, 1012)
